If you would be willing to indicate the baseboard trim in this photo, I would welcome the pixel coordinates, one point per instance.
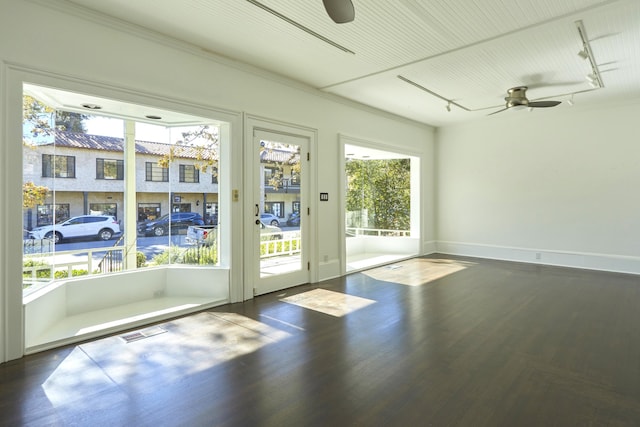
(429, 247)
(589, 261)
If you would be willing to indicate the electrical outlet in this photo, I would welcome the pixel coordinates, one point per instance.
(538, 255)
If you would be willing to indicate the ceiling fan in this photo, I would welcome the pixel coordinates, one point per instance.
(517, 98)
(341, 11)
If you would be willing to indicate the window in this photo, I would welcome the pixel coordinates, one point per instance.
(103, 209)
(48, 214)
(295, 207)
(214, 175)
(109, 169)
(155, 172)
(276, 208)
(189, 173)
(58, 166)
(84, 249)
(148, 211)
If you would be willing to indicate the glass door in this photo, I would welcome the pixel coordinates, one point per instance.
(280, 211)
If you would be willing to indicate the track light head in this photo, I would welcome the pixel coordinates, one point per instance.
(593, 80)
(449, 106)
(583, 54)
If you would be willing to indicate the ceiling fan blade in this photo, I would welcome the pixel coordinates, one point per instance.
(496, 112)
(543, 104)
(341, 11)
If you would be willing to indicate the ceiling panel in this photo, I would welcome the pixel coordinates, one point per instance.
(467, 51)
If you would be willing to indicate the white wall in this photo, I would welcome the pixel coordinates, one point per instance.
(558, 186)
(97, 51)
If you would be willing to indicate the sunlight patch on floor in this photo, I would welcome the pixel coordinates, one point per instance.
(187, 346)
(328, 302)
(417, 271)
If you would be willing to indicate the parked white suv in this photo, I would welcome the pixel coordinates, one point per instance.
(102, 227)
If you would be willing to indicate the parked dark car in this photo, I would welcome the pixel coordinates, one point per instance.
(175, 221)
(294, 219)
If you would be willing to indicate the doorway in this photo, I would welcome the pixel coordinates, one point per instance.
(277, 222)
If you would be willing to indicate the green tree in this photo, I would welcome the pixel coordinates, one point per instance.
(382, 189)
(40, 116)
(33, 195)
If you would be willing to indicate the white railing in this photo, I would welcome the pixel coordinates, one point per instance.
(68, 261)
(279, 243)
(379, 232)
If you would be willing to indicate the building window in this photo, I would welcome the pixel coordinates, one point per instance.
(109, 169)
(189, 173)
(50, 214)
(58, 166)
(103, 209)
(295, 207)
(148, 211)
(154, 172)
(276, 208)
(214, 175)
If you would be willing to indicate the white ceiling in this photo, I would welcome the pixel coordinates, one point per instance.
(466, 51)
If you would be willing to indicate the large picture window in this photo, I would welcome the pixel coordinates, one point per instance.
(56, 166)
(98, 241)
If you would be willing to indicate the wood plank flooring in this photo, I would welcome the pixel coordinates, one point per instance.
(433, 341)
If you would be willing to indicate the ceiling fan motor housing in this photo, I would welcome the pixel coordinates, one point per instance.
(517, 97)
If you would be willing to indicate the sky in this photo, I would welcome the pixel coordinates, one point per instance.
(107, 126)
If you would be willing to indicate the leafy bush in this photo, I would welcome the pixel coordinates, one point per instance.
(141, 259)
(168, 256)
(43, 273)
(61, 274)
(202, 255)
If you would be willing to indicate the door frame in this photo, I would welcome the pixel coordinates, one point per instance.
(250, 266)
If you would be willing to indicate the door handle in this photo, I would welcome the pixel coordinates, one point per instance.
(257, 210)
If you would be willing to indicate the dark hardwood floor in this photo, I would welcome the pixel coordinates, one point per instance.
(434, 341)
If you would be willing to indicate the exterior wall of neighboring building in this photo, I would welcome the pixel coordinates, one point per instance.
(85, 189)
